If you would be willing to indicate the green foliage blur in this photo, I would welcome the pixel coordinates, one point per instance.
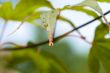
(61, 58)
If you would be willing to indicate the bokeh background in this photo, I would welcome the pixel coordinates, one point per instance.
(70, 52)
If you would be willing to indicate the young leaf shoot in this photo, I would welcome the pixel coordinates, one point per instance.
(48, 19)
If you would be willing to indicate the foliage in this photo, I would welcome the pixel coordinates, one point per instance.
(61, 58)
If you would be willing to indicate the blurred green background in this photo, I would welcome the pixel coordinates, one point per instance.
(68, 55)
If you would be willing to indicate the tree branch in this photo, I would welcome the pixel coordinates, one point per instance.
(55, 39)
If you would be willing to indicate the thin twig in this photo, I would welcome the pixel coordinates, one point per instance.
(3, 30)
(12, 43)
(22, 22)
(72, 24)
(55, 39)
(80, 37)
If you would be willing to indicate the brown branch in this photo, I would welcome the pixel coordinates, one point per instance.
(55, 39)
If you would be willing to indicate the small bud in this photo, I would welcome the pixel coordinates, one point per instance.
(50, 43)
(50, 39)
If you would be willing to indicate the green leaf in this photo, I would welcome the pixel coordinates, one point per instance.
(48, 19)
(6, 10)
(93, 4)
(98, 33)
(41, 62)
(31, 60)
(23, 9)
(28, 7)
(57, 67)
(93, 62)
(28, 59)
(100, 50)
(55, 62)
(81, 9)
(103, 0)
(63, 55)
